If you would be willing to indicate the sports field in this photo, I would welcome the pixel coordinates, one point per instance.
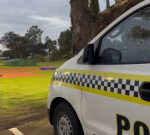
(23, 94)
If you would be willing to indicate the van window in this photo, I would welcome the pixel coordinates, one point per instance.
(129, 42)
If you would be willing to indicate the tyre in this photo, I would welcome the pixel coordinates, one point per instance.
(65, 121)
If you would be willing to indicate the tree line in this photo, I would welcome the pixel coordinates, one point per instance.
(30, 46)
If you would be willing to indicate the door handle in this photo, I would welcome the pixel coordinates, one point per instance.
(145, 91)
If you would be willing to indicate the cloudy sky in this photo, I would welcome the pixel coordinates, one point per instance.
(52, 16)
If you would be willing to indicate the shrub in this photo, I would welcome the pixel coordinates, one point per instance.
(39, 58)
(19, 62)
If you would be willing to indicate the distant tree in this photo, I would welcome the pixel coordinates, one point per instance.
(40, 49)
(55, 54)
(9, 39)
(34, 36)
(17, 45)
(65, 43)
(94, 6)
(50, 45)
(9, 54)
(21, 47)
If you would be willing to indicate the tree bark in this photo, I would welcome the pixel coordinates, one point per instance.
(85, 25)
(117, 1)
(81, 18)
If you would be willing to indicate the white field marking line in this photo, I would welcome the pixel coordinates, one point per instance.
(15, 131)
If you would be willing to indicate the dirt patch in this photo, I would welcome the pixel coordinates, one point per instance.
(19, 75)
(20, 69)
(32, 115)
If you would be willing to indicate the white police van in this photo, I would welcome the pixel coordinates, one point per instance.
(105, 89)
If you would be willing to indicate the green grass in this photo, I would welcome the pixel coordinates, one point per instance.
(21, 98)
(1, 63)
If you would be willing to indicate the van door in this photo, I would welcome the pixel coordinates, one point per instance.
(116, 92)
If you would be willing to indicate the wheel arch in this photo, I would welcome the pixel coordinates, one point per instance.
(56, 102)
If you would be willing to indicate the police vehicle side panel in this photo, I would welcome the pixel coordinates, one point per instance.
(73, 96)
(100, 111)
(103, 107)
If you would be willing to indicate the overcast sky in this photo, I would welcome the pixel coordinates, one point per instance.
(52, 16)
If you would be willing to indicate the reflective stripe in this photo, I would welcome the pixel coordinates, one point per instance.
(104, 93)
(107, 85)
(109, 74)
(120, 86)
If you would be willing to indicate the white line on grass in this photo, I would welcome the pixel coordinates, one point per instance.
(15, 131)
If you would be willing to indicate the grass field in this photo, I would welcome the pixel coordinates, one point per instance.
(24, 99)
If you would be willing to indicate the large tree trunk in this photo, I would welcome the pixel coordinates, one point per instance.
(85, 25)
(81, 18)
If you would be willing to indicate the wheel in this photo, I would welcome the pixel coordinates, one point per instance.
(65, 121)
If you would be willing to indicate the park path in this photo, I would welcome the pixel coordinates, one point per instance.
(41, 127)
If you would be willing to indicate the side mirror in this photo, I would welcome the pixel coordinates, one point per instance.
(89, 55)
(111, 56)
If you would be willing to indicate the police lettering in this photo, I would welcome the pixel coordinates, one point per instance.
(123, 125)
(140, 125)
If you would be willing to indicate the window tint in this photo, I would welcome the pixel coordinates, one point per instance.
(129, 42)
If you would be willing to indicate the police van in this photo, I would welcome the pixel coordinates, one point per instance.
(105, 89)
